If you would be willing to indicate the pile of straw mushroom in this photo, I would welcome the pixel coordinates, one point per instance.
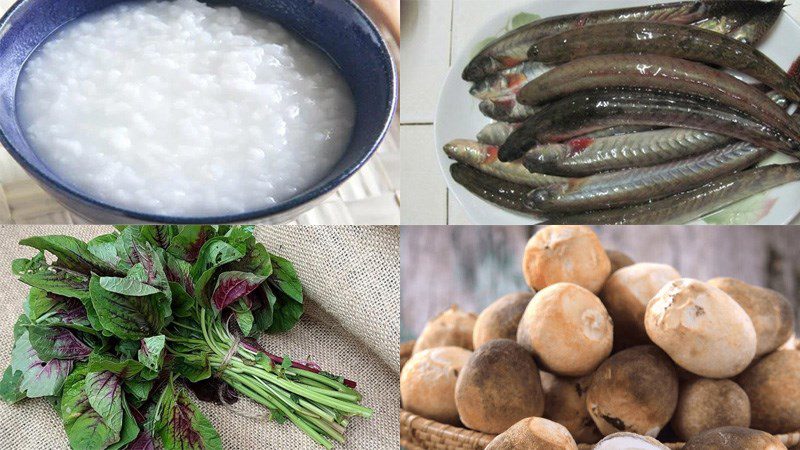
(606, 351)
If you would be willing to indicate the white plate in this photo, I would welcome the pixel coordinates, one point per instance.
(457, 116)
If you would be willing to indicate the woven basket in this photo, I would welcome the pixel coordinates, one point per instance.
(419, 433)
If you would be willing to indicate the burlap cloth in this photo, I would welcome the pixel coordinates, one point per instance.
(351, 327)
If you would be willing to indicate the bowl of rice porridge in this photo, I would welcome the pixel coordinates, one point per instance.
(189, 111)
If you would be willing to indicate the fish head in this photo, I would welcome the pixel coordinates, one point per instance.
(541, 197)
(544, 158)
(480, 67)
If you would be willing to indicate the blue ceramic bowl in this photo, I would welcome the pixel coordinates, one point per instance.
(338, 27)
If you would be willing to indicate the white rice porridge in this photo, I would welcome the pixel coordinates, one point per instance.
(181, 109)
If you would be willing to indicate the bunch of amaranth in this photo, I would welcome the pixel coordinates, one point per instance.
(606, 351)
(113, 330)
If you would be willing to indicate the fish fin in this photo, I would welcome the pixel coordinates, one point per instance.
(516, 80)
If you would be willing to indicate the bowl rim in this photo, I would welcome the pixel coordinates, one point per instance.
(262, 213)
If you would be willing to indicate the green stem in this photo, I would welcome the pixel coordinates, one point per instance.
(335, 394)
(323, 379)
(316, 404)
(328, 429)
(245, 386)
(308, 393)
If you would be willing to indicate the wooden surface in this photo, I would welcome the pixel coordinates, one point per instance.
(471, 266)
(435, 32)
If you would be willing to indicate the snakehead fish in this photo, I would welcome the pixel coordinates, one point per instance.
(638, 185)
(500, 192)
(586, 156)
(694, 204)
(748, 19)
(585, 112)
(657, 72)
(484, 158)
(666, 39)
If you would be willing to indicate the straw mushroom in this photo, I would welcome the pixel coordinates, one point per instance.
(701, 328)
(770, 312)
(634, 390)
(498, 386)
(629, 441)
(626, 295)
(534, 433)
(453, 327)
(773, 387)
(500, 319)
(567, 329)
(619, 260)
(548, 379)
(565, 403)
(428, 383)
(705, 404)
(734, 438)
(565, 253)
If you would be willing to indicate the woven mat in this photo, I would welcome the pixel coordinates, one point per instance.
(351, 326)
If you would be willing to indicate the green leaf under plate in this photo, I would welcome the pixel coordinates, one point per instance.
(748, 211)
(523, 19)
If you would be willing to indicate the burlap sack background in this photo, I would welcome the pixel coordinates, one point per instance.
(351, 327)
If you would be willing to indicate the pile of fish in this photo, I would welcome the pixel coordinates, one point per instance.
(631, 115)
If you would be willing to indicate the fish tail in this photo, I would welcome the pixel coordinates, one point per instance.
(794, 79)
(794, 70)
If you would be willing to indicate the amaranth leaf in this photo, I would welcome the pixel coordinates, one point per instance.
(86, 428)
(39, 378)
(56, 342)
(144, 441)
(104, 392)
(233, 285)
(10, 390)
(158, 235)
(58, 282)
(24, 265)
(72, 254)
(182, 426)
(187, 243)
(284, 278)
(128, 317)
(122, 367)
(104, 247)
(151, 353)
(177, 271)
(127, 286)
(130, 428)
(44, 307)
